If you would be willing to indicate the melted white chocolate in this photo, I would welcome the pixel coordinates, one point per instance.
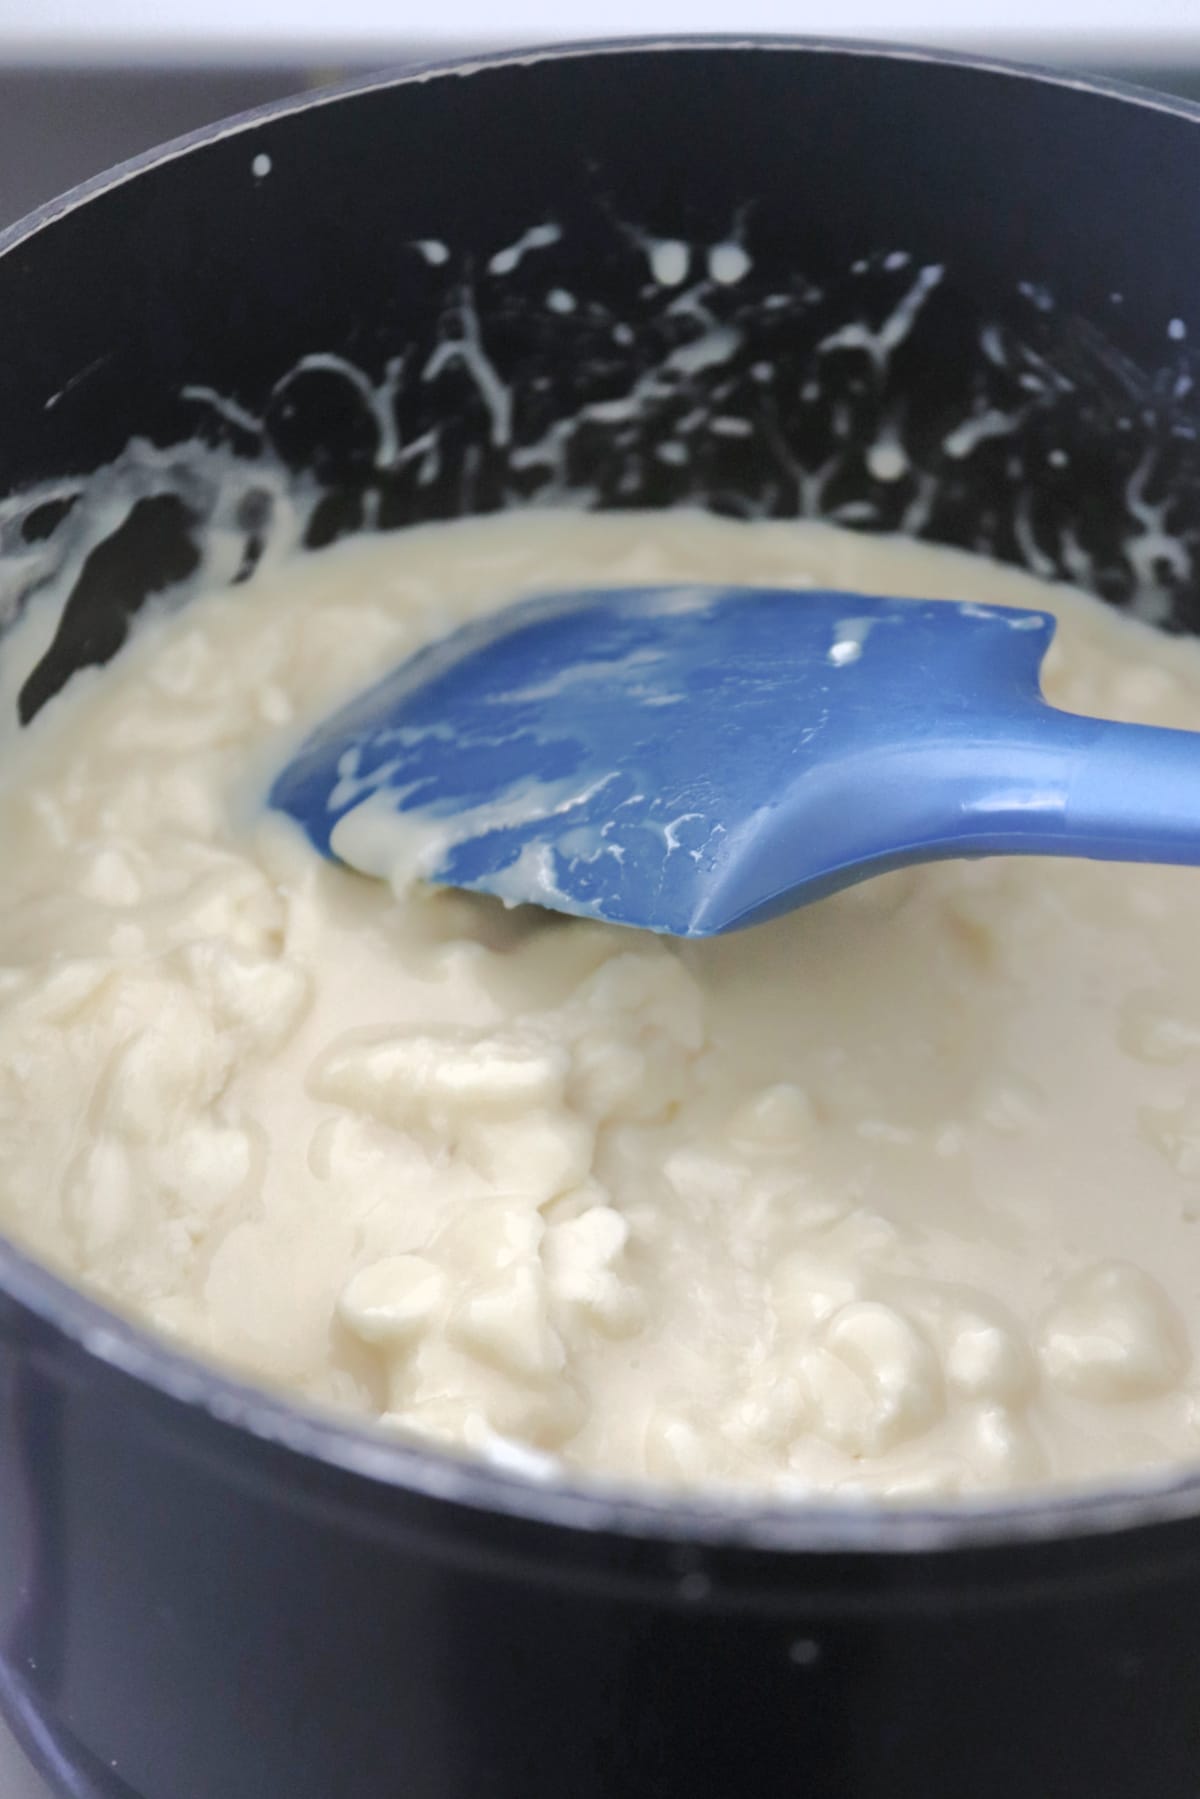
(897, 1195)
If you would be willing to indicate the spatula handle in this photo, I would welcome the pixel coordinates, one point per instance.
(1133, 794)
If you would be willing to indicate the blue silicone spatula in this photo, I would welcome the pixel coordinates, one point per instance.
(696, 759)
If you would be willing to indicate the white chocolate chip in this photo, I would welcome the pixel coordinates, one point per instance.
(402, 1078)
(1112, 1334)
(506, 1322)
(392, 1301)
(873, 1380)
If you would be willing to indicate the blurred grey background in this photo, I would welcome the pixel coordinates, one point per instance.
(62, 122)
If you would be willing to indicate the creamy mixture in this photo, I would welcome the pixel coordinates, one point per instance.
(897, 1195)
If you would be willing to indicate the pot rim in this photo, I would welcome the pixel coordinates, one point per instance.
(460, 66)
(867, 1527)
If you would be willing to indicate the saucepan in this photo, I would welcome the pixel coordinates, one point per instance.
(903, 291)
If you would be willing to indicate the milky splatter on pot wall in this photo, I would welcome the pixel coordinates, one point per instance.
(680, 378)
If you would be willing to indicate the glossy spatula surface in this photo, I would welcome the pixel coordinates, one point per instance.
(694, 759)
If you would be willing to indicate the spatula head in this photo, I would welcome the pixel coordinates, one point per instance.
(685, 759)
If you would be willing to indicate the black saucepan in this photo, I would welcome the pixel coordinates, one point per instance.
(897, 290)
